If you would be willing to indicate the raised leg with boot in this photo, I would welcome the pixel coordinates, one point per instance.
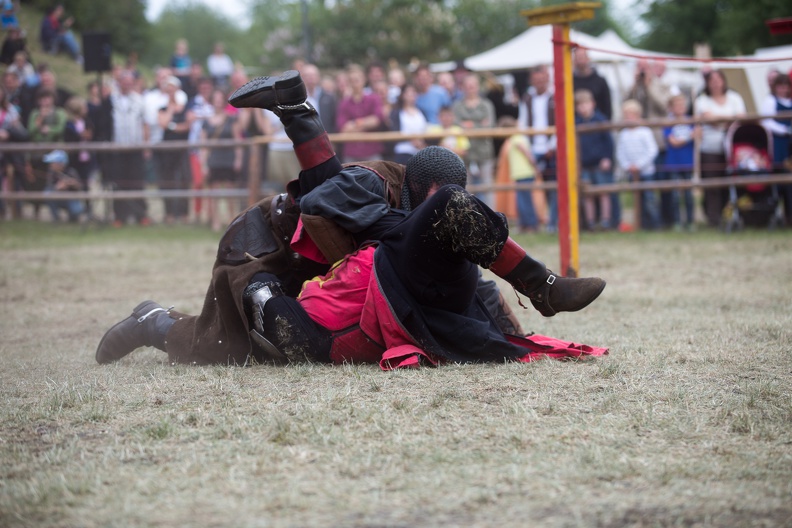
(285, 95)
(549, 293)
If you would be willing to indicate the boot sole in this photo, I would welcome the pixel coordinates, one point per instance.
(136, 312)
(262, 92)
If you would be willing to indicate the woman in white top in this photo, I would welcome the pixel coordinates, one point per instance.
(716, 101)
(407, 119)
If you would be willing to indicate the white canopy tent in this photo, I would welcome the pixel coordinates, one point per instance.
(534, 47)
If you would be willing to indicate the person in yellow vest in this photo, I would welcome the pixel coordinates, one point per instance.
(516, 164)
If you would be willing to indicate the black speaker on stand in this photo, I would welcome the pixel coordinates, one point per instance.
(97, 52)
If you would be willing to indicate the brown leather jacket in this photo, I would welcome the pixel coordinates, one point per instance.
(256, 241)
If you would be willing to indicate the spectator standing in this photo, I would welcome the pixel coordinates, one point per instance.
(200, 107)
(12, 43)
(537, 112)
(129, 128)
(244, 116)
(62, 178)
(100, 114)
(636, 151)
(220, 66)
(585, 77)
(282, 164)
(252, 122)
(190, 84)
(154, 100)
(596, 160)
(56, 34)
(47, 122)
(446, 81)
(504, 99)
(407, 119)
(180, 61)
(174, 164)
(380, 89)
(375, 73)
(360, 112)
(653, 93)
(324, 101)
(79, 129)
(342, 88)
(100, 110)
(46, 125)
(396, 80)
(28, 96)
(780, 100)
(717, 100)
(12, 88)
(522, 169)
(679, 141)
(223, 165)
(476, 112)
(431, 97)
(11, 130)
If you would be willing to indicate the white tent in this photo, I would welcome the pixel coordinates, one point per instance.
(534, 46)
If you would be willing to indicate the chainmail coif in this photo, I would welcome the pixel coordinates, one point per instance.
(431, 165)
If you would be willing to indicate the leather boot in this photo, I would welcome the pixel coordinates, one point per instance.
(147, 326)
(285, 95)
(549, 293)
(270, 92)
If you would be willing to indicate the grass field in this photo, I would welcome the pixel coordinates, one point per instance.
(688, 421)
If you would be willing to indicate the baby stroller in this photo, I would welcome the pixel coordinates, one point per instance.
(749, 151)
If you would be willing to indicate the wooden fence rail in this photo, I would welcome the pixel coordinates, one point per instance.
(255, 190)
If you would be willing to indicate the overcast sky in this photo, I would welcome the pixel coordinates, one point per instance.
(235, 10)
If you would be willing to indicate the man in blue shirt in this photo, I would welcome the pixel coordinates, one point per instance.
(431, 97)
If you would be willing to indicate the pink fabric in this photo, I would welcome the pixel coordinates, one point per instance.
(336, 300)
(542, 347)
(404, 356)
(354, 346)
(349, 302)
(302, 243)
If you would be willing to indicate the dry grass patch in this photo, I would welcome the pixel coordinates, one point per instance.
(686, 423)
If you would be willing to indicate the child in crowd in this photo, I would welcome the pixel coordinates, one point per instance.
(522, 169)
(60, 178)
(679, 159)
(636, 150)
(454, 141)
(596, 159)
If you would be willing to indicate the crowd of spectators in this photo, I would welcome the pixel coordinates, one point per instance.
(187, 101)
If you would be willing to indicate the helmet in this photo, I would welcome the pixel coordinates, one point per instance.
(430, 167)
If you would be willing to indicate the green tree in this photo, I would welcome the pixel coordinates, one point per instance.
(200, 25)
(403, 29)
(274, 38)
(730, 27)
